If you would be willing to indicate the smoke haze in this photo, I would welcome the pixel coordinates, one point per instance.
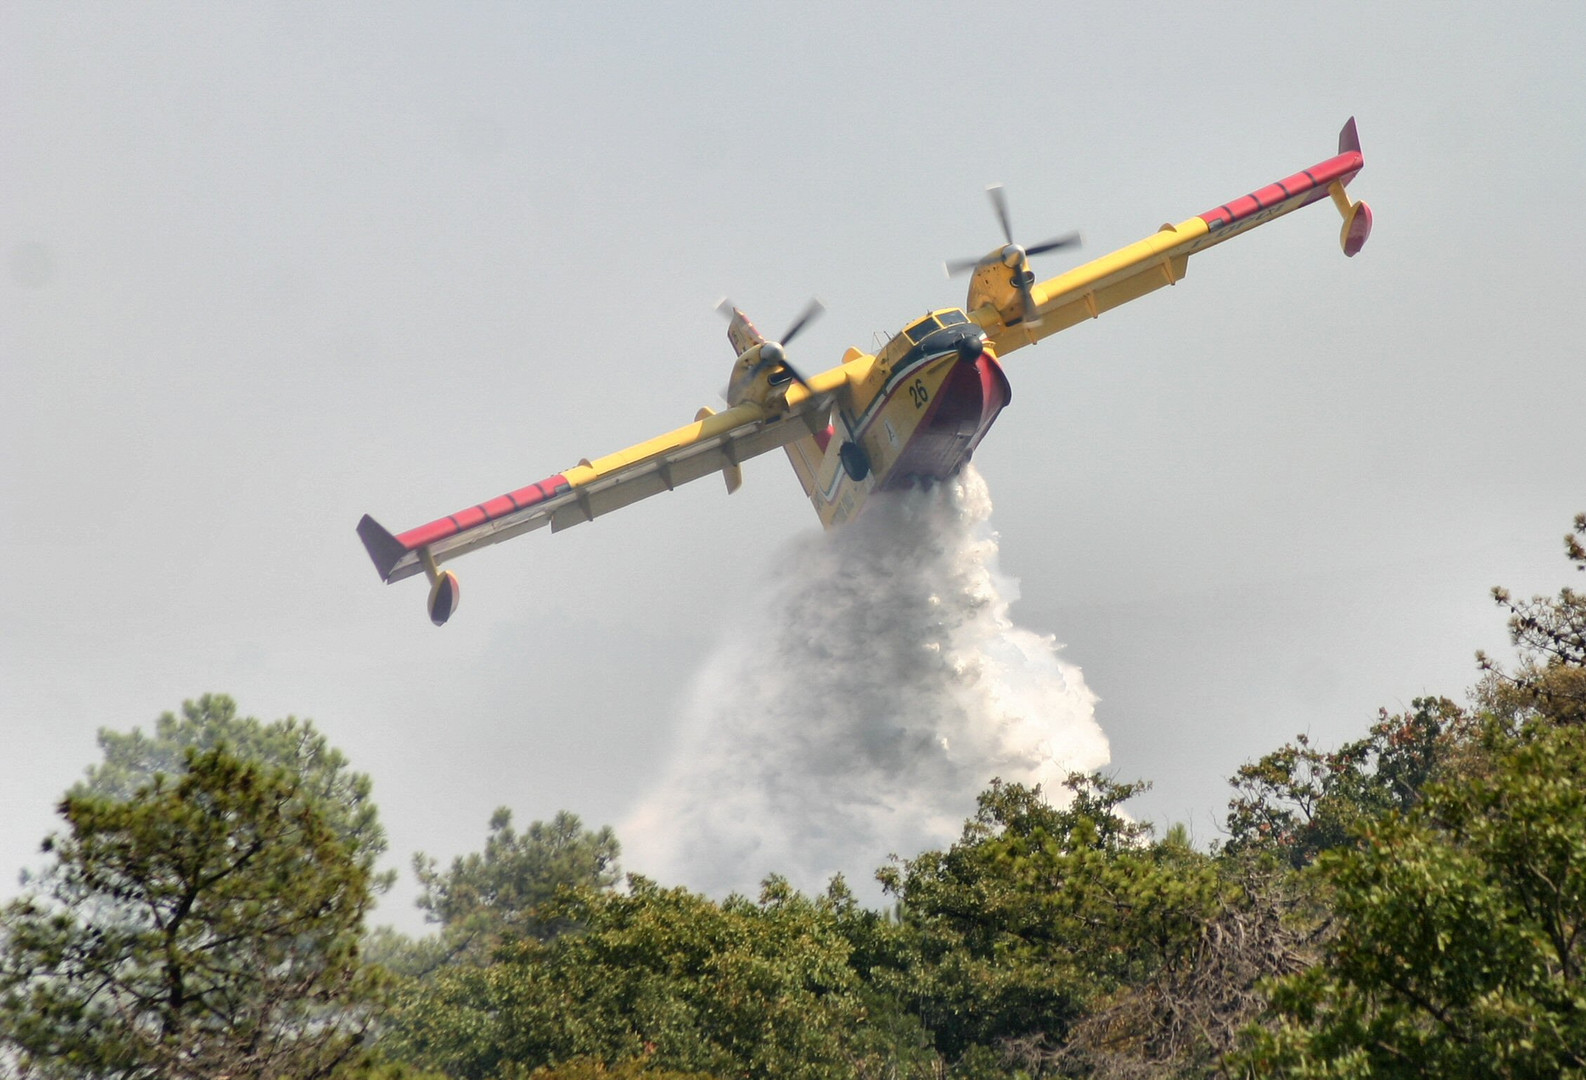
(869, 688)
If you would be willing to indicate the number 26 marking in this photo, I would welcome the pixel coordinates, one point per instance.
(918, 394)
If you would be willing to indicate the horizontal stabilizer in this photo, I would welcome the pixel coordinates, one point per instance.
(382, 547)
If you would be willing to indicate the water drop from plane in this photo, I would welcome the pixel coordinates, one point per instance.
(873, 684)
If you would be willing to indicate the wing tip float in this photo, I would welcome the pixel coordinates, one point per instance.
(1357, 216)
(388, 551)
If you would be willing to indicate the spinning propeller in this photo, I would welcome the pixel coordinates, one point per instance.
(1014, 256)
(774, 353)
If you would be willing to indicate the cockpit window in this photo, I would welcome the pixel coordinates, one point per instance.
(923, 329)
(953, 318)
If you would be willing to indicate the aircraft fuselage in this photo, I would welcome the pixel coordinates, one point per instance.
(915, 411)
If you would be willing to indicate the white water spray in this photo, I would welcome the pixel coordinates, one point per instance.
(874, 685)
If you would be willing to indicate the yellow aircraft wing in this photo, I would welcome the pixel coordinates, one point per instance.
(1161, 259)
(714, 442)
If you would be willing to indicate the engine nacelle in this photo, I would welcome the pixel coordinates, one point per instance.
(995, 283)
(758, 374)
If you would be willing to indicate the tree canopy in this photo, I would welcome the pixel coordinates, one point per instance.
(1459, 950)
(206, 925)
(345, 798)
(1411, 903)
(1299, 801)
(500, 891)
(663, 976)
(1460, 915)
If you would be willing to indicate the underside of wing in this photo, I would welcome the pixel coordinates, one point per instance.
(714, 442)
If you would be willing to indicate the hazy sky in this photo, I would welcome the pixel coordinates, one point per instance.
(270, 266)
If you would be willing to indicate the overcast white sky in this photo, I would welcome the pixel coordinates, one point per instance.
(270, 266)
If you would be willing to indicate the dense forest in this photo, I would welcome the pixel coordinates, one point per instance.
(1409, 904)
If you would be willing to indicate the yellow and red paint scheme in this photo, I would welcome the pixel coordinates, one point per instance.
(916, 411)
(912, 412)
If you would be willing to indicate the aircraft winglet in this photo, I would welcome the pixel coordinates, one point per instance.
(382, 547)
(1349, 138)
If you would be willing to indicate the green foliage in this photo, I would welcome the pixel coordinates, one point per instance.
(499, 892)
(1459, 948)
(343, 797)
(1550, 681)
(591, 1069)
(1036, 914)
(371, 1068)
(1297, 801)
(1460, 918)
(1411, 904)
(502, 893)
(666, 977)
(203, 924)
(1183, 1017)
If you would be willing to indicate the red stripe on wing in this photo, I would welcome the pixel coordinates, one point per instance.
(500, 506)
(1312, 183)
(532, 494)
(474, 516)
(467, 519)
(425, 535)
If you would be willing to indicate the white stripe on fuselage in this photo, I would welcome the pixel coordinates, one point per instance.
(868, 417)
(857, 429)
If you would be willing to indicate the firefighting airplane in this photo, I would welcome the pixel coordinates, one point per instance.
(915, 410)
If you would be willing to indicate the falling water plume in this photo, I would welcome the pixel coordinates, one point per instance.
(873, 687)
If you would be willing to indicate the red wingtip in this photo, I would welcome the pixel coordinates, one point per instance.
(1349, 138)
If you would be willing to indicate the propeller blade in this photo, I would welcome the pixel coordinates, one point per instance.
(1013, 256)
(774, 353)
(1069, 240)
(814, 308)
(999, 201)
(774, 360)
